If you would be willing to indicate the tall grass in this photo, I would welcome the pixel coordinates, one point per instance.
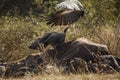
(16, 34)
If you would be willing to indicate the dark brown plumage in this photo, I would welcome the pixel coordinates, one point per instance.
(53, 38)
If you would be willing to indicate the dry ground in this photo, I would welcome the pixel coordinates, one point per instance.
(69, 77)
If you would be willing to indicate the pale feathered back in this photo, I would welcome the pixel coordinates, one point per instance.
(68, 12)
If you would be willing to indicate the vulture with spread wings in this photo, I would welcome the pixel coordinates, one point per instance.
(68, 12)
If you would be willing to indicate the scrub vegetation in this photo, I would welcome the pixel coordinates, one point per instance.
(23, 21)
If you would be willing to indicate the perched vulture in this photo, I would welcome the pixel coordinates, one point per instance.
(52, 38)
(68, 12)
(85, 49)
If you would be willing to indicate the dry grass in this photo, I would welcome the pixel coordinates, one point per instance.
(70, 77)
(16, 34)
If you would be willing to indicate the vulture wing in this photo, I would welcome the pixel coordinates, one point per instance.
(35, 44)
(68, 12)
(56, 38)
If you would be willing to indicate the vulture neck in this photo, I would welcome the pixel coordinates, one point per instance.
(65, 30)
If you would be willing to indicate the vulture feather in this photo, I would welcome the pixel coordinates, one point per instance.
(68, 12)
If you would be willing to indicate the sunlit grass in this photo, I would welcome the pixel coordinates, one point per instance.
(70, 77)
(16, 34)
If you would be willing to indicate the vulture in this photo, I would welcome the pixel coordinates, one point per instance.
(53, 38)
(85, 49)
(67, 12)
